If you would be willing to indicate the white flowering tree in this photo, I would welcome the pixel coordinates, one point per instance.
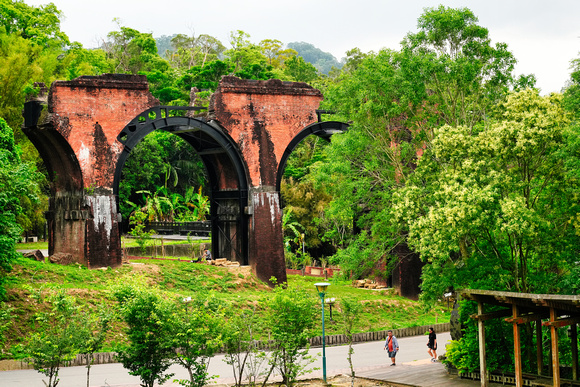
(492, 207)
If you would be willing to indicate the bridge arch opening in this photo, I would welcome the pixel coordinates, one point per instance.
(321, 129)
(226, 172)
(301, 235)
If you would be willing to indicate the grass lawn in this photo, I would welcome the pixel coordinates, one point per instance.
(125, 242)
(236, 286)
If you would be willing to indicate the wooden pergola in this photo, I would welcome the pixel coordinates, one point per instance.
(550, 310)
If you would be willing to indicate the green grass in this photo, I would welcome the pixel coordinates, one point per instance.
(32, 246)
(237, 287)
(125, 242)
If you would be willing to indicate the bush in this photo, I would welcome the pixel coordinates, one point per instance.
(147, 314)
(291, 316)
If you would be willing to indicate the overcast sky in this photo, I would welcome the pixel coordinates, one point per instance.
(544, 36)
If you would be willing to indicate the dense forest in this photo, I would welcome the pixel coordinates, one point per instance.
(449, 153)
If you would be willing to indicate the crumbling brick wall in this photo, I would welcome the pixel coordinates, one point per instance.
(85, 116)
(262, 117)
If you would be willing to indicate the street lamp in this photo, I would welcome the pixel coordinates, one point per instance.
(330, 302)
(321, 287)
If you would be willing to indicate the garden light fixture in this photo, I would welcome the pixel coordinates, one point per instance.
(321, 287)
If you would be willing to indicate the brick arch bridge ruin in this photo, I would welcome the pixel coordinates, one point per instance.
(86, 128)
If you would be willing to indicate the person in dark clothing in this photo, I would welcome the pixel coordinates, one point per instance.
(432, 345)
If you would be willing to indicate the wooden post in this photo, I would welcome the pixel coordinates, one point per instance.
(481, 335)
(517, 349)
(555, 354)
(540, 360)
(574, 342)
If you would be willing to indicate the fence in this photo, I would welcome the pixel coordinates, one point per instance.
(380, 335)
(180, 228)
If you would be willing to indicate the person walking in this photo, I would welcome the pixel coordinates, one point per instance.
(432, 345)
(391, 346)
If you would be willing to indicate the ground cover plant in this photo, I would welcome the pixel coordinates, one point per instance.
(236, 287)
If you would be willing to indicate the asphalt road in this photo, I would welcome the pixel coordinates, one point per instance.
(114, 375)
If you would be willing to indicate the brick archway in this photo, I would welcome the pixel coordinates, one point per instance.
(84, 133)
(321, 129)
(226, 170)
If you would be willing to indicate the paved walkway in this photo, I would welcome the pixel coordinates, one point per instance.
(421, 373)
(370, 361)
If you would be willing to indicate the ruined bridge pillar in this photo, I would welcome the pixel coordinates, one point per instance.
(76, 137)
(263, 117)
(80, 138)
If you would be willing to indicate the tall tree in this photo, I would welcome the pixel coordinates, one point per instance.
(132, 51)
(448, 72)
(41, 24)
(454, 59)
(290, 316)
(147, 315)
(273, 50)
(243, 52)
(188, 51)
(17, 181)
(299, 70)
(493, 209)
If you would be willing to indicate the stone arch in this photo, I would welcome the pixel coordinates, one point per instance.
(227, 172)
(60, 160)
(67, 204)
(322, 129)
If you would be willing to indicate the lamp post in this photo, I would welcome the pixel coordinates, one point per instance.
(321, 287)
(330, 302)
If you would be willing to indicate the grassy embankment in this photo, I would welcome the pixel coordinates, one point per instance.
(237, 287)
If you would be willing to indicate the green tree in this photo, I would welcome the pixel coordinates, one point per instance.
(350, 311)
(197, 336)
(273, 50)
(133, 52)
(189, 51)
(299, 70)
(17, 181)
(290, 315)
(58, 337)
(572, 89)
(454, 60)
(242, 346)
(492, 209)
(243, 52)
(92, 333)
(206, 77)
(19, 69)
(147, 314)
(448, 72)
(41, 24)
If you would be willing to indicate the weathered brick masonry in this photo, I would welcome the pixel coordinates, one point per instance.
(77, 138)
(263, 117)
